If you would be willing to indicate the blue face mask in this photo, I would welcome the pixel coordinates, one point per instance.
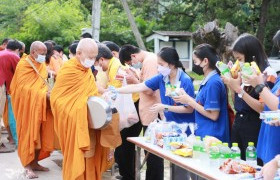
(41, 58)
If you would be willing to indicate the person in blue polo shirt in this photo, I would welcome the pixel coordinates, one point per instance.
(211, 114)
(171, 72)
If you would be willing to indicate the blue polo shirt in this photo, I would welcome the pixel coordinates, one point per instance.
(212, 95)
(159, 81)
(269, 141)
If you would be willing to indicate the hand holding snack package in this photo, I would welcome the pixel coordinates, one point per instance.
(172, 90)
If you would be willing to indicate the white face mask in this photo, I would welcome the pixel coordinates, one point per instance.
(87, 63)
(137, 65)
(165, 71)
(41, 58)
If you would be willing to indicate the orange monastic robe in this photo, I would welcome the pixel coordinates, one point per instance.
(55, 64)
(74, 85)
(33, 116)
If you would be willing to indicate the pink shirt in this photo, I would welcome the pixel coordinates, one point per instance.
(8, 63)
(147, 99)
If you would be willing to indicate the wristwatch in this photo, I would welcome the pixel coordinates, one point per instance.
(166, 108)
(277, 157)
(259, 88)
(240, 95)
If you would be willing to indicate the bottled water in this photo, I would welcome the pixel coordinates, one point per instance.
(251, 155)
(225, 153)
(197, 148)
(203, 155)
(223, 68)
(235, 152)
(214, 155)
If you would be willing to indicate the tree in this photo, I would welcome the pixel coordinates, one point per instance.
(263, 20)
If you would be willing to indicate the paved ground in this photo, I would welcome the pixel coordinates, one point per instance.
(11, 169)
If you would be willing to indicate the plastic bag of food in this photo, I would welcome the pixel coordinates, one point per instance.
(126, 109)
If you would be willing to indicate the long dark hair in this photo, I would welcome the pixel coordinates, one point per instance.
(207, 51)
(250, 47)
(49, 54)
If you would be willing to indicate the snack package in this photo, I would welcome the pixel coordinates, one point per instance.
(235, 69)
(255, 67)
(185, 152)
(270, 116)
(223, 68)
(150, 132)
(172, 90)
(233, 167)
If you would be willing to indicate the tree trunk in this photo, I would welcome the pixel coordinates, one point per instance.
(133, 25)
(263, 20)
(96, 10)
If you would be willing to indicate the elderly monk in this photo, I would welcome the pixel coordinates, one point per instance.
(86, 152)
(29, 94)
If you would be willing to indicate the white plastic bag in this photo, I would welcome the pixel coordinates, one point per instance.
(126, 109)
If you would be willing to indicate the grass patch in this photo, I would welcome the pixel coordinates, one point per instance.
(195, 76)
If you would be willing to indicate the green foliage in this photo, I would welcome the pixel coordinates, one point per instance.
(60, 21)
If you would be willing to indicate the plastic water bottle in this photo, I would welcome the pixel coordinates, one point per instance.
(214, 155)
(223, 68)
(197, 148)
(235, 152)
(225, 153)
(247, 70)
(203, 154)
(251, 155)
(220, 146)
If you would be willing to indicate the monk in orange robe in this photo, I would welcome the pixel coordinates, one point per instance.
(29, 95)
(85, 151)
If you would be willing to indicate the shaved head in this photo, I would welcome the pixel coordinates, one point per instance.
(36, 48)
(86, 44)
(37, 45)
(86, 49)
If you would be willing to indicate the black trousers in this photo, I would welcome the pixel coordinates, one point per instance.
(246, 129)
(155, 166)
(125, 153)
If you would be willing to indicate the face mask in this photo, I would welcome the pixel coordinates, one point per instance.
(137, 65)
(87, 63)
(41, 58)
(165, 71)
(198, 69)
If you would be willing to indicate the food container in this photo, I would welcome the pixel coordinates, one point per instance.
(99, 113)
